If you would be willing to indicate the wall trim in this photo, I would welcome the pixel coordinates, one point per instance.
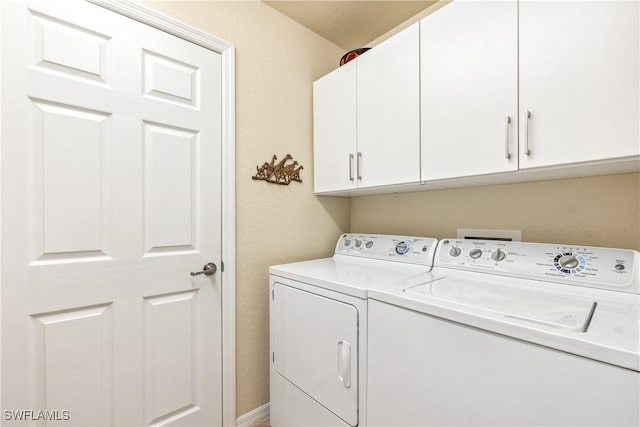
(254, 417)
(171, 26)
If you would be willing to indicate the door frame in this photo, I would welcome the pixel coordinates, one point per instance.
(226, 50)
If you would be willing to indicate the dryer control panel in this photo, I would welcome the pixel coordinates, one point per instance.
(606, 268)
(408, 249)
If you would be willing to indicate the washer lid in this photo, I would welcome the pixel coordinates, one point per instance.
(545, 307)
(549, 314)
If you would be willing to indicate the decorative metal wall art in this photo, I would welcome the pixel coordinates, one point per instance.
(279, 173)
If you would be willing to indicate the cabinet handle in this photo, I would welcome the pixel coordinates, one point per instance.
(358, 166)
(351, 167)
(344, 363)
(507, 125)
(527, 150)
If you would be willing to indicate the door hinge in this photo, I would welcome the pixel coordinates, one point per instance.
(273, 357)
(222, 266)
(273, 295)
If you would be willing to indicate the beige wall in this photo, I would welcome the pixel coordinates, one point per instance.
(594, 211)
(276, 62)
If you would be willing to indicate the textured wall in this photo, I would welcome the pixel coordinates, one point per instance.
(594, 211)
(276, 62)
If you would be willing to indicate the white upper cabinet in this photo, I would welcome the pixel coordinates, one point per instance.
(334, 130)
(579, 81)
(367, 119)
(388, 96)
(469, 91)
(505, 91)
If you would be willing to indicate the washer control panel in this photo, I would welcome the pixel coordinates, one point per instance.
(604, 268)
(409, 249)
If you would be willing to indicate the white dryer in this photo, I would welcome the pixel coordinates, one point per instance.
(509, 333)
(318, 315)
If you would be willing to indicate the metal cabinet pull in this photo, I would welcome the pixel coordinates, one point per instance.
(358, 166)
(507, 143)
(527, 150)
(344, 363)
(350, 167)
(208, 269)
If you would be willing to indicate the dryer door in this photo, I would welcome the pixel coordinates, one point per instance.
(315, 346)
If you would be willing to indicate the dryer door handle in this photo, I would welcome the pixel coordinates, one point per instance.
(344, 363)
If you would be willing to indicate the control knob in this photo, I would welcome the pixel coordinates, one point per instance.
(347, 242)
(369, 244)
(569, 261)
(475, 253)
(455, 251)
(498, 255)
(402, 247)
(358, 243)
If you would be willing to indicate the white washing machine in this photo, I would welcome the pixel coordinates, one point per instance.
(506, 334)
(318, 315)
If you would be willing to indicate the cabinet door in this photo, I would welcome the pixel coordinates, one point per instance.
(389, 111)
(578, 81)
(334, 130)
(469, 89)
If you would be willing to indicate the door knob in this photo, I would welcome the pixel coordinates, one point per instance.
(208, 269)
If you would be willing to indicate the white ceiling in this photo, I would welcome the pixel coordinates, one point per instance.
(350, 23)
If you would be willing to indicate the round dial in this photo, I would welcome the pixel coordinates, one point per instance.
(455, 251)
(402, 247)
(569, 262)
(475, 253)
(498, 255)
(369, 244)
(347, 242)
(358, 243)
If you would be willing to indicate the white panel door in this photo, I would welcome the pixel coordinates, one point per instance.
(334, 130)
(389, 111)
(469, 89)
(111, 139)
(315, 347)
(579, 81)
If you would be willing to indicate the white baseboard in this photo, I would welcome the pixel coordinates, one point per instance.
(254, 417)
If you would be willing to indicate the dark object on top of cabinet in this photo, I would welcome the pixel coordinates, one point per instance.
(353, 54)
